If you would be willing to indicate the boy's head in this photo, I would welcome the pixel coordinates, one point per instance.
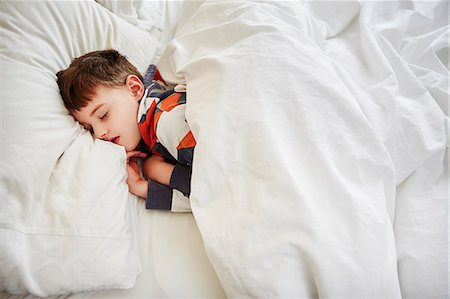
(102, 90)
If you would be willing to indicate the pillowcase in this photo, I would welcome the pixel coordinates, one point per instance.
(66, 219)
(159, 18)
(147, 15)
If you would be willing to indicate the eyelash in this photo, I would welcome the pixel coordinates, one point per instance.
(104, 115)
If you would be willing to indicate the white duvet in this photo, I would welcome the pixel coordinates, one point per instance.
(296, 168)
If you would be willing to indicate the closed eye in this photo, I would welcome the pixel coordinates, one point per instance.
(104, 115)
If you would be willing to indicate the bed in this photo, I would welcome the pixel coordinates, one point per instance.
(320, 169)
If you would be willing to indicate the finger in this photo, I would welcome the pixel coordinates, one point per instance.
(132, 169)
(134, 165)
(136, 154)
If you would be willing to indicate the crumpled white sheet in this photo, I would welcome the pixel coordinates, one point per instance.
(297, 162)
(392, 57)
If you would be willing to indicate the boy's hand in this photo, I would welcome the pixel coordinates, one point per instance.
(136, 184)
(134, 154)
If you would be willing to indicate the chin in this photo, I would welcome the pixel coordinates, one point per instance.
(130, 147)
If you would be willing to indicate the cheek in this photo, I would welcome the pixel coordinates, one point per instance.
(124, 116)
(131, 118)
(134, 111)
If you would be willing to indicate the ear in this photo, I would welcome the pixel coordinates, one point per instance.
(136, 87)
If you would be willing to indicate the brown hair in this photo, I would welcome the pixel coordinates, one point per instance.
(78, 82)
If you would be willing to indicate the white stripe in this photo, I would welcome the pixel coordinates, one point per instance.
(172, 128)
(180, 203)
(144, 104)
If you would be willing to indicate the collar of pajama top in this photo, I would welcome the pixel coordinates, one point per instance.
(146, 111)
(147, 105)
(156, 90)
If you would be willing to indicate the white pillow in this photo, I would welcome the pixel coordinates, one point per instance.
(65, 211)
(147, 15)
(159, 18)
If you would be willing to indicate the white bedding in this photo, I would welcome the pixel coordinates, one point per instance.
(319, 170)
(67, 222)
(307, 137)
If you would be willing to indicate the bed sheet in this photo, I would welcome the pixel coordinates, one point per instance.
(174, 262)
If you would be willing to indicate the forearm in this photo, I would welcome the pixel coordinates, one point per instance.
(139, 188)
(163, 173)
(165, 182)
(158, 170)
(176, 176)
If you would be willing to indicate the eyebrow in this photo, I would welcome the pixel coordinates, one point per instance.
(96, 108)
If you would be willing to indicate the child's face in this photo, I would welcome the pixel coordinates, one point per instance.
(112, 115)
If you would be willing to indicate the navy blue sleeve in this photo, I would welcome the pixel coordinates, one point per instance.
(181, 178)
(159, 196)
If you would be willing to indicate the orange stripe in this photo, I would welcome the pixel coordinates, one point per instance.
(145, 128)
(157, 115)
(170, 102)
(188, 141)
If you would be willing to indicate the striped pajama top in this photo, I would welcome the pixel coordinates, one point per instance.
(165, 132)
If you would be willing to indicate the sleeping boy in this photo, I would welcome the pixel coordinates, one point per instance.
(108, 96)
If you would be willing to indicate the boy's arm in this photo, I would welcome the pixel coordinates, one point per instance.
(157, 196)
(161, 196)
(155, 168)
(176, 176)
(181, 178)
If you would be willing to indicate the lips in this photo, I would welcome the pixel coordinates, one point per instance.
(115, 140)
